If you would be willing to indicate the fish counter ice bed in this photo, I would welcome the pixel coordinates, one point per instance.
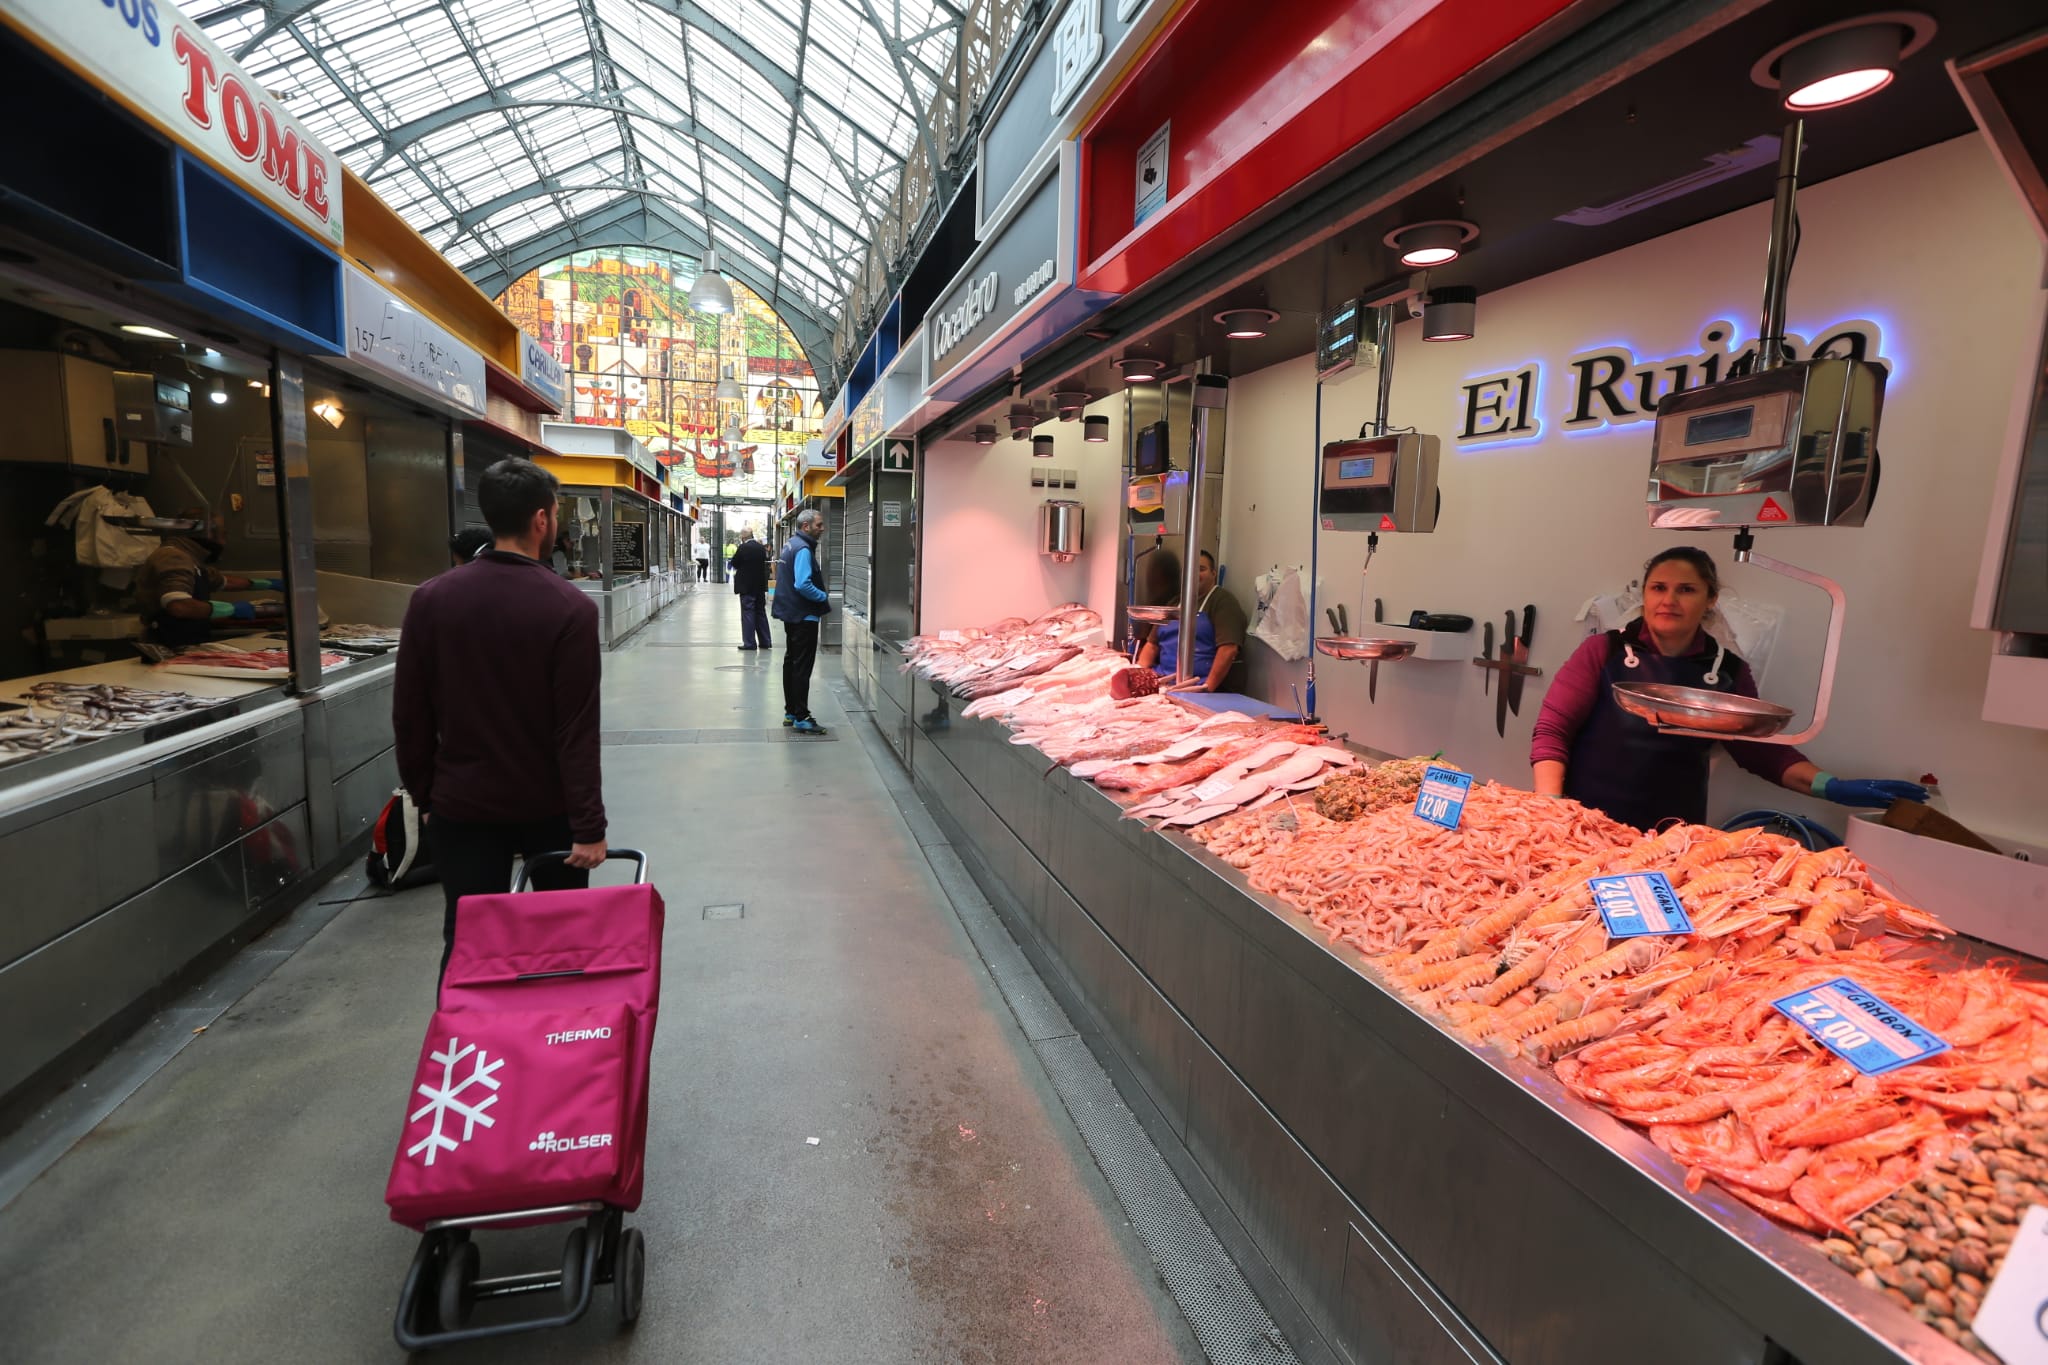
(1422, 1200)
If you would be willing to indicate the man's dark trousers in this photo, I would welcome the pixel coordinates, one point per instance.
(476, 860)
(754, 632)
(800, 640)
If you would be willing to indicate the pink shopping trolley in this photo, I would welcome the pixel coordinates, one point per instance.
(529, 1104)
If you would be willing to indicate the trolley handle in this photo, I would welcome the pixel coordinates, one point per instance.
(638, 858)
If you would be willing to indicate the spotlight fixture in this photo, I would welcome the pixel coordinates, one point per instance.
(729, 390)
(1436, 242)
(1041, 447)
(1246, 324)
(1138, 370)
(1069, 402)
(329, 411)
(142, 330)
(1021, 422)
(710, 293)
(219, 392)
(1451, 313)
(255, 383)
(1095, 430)
(984, 435)
(1826, 68)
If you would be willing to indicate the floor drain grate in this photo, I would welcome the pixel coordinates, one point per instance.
(725, 912)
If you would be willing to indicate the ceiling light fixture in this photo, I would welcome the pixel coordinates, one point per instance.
(1095, 429)
(1452, 313)
(729, 390)
(1069, 402)
(1041, 447)
(1021, 422)
(1138, 370)
(1828, 67)
(984, 435)
(142, 330)
(710, 293)
(329, 411)
(1436, 242)
(255, 383)
(219, 392)
(1246, 324)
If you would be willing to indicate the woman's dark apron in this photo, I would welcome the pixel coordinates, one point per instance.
(1623, 765)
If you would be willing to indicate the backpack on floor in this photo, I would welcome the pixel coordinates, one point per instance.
(401, 852)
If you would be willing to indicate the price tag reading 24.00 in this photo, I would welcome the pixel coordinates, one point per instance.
(1442, 798)
(1860, 1028)
(1638, 903)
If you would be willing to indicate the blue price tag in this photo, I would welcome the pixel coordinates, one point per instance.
(1860, 1028)
(1442, 798)
(1638, 903)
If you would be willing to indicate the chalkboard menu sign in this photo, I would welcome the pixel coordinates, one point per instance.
(629, 546)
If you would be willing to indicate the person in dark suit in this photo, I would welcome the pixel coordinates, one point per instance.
(749, 569)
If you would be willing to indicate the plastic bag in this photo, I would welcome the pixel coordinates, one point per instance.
(1283, 613)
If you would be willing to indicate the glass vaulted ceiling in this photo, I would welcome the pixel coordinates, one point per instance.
(510, 130)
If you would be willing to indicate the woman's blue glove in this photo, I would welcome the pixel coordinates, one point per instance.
(1869, 791)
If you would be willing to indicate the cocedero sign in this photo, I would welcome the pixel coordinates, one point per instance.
(1608, 386)
(975, 303)
(149, 55)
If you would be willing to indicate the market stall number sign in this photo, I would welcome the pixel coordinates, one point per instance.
(1639, 903)
(1442, 798)
(1859, 1027)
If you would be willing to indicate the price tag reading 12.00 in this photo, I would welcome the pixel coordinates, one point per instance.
(1638, 903)
(1860, 1028)
(1442, 798)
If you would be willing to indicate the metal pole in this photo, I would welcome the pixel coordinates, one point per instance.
(295, 516)
(1384, 402)
(1770, 340)
(1211, 390)
(1315, 544)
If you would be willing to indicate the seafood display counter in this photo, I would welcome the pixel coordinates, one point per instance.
(1421, 1199)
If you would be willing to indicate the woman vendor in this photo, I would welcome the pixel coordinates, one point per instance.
(1588, 748)
(1219, 635)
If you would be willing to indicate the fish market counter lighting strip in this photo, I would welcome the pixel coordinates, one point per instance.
(1777, 1282)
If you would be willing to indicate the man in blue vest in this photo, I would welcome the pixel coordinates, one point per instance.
(801, 602)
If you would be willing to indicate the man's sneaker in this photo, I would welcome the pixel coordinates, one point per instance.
(788, 720)
(808, 726)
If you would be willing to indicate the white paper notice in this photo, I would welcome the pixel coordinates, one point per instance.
(2013, 1320)
(1214, 788)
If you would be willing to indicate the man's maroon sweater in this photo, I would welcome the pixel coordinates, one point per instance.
(496, 699)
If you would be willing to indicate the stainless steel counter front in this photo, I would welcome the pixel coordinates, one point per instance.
(128, 875)
(1421, 1200)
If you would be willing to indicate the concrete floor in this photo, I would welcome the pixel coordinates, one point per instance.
(231, 1209)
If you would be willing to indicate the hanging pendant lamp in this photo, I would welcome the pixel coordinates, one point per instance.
(711, 293)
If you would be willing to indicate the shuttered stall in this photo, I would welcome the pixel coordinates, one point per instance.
(858, 543)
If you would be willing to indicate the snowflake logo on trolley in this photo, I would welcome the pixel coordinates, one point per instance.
(447, 1099)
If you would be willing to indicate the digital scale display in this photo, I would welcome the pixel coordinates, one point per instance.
(1728, 424)
(1355, 469)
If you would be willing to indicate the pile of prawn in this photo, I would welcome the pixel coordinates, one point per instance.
(1387, 882)
(1677, 1035)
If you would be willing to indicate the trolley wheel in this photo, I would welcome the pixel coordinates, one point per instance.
(631, 1278)
(572, 1266)
(458, 1284)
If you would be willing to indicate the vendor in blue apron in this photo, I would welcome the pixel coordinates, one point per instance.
(1219, 635)
(1588, 748)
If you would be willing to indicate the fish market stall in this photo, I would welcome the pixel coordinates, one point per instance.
(1462, 1120)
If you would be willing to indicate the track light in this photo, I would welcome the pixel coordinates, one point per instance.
(1451, 314)
(1437, 242)
(1069, 402)
(984, 435)
(1138, 370)
(1842, 62)
(219, 392)
(1095, 430)
(1041, 447)
(1021, 422)
(1246, 324)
